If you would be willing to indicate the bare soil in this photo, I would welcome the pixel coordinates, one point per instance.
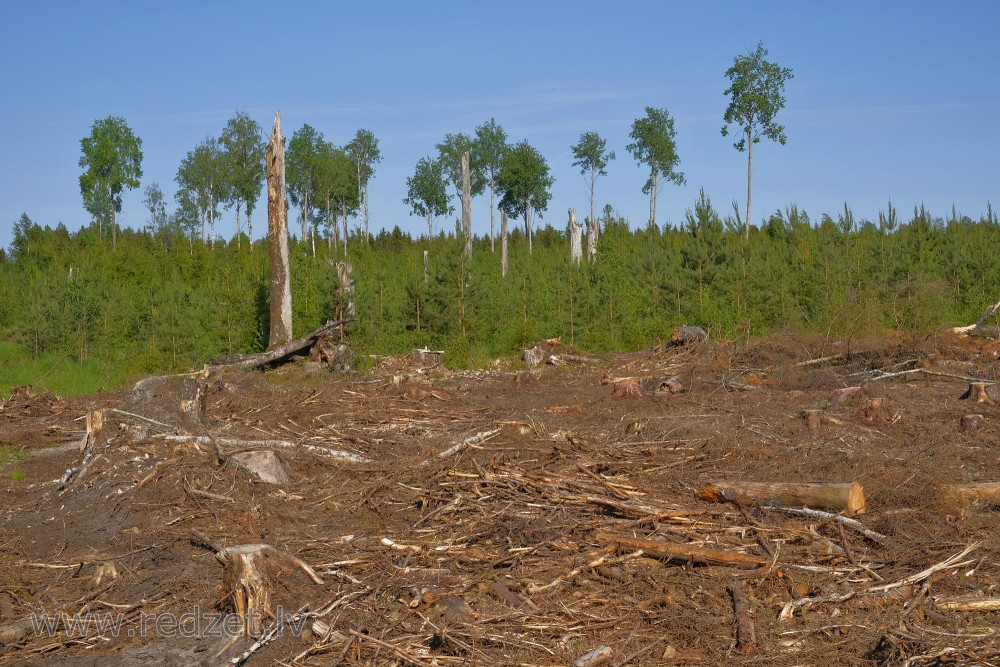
(499, 554)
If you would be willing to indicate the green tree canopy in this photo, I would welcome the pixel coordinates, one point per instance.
(300, 171)
(756, 95)
(427, 192)
(336, 185)
(202, 180)
(592, 157)
(364, 153)
(450, 156)
(112, 162)
(489, 148)
(243, 147)
(654, 144)
(524, 183)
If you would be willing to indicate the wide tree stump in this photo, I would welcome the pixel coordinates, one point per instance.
(971, 423)
(251, 574)
(687, 335)
(981, 392)
(627, 388)
(813, 419)
(848, 497)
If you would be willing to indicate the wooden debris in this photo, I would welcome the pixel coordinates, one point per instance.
(213, 441)
(250, 361)
(263, 464)
(686, 552)
(827, 516)
(476, 439)
(981, 392)
(598, 656)
(847, 496)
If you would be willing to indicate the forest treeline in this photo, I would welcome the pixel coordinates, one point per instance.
(161, 301)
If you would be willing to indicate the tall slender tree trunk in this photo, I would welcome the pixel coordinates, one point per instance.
(239, 230)
(366, 211)
(467, 204)
(430, 224)
(114, 223)
(593, 180)
(503, 243)
(652, 196)
(249, 226)
(746, 222)
(527, 225)
(492, 209)
(343, 210)
(277, 227)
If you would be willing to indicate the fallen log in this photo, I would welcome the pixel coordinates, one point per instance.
(476, 439)
(214, 441)
(685, 552)
(746, 636)
(968, 603)
(974, 492)
(848, 496)
(250, 361)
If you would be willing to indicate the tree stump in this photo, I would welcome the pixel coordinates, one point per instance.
(841, 395)
(668, 387)
(626, 389)
(971, 423)
(813, 419)
(250, 576)
(980, 392)
(876, 410)
(687, 335)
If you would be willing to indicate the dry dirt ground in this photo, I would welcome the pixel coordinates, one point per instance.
(515, 550)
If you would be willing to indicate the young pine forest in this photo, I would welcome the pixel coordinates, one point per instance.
(72, 306)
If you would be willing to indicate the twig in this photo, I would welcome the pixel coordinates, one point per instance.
(409, 657)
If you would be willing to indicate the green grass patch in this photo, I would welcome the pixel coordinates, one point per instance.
(17, 475)
(56, 373)
(9, 454)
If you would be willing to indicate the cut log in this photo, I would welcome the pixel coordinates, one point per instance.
(249, 361)
(968, 603)
(746, 636)
(277, 228)
(848, 497)
(687, 335)
(987, 492)
(981, 392)
(685, 552)
(971, 423)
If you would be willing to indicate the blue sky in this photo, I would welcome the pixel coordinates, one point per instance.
(892, 100)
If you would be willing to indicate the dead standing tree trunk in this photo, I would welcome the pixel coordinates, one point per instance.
(345, 293)
(593, 231)
(467, 204)
(575, 238)
(277, 227)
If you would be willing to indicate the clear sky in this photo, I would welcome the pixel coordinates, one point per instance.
(892, 100)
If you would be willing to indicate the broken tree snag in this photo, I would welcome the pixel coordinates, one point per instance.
(685, 552)
(345, 293)
(575, 238)
(250, 574)
(746, 636)
(981, 392)
(813, 419)
(971, 423)
(277, 229)
(593, 231)
(687, 336)
(974, 328)
(985, 492)
(848, 497)
(248, 361)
